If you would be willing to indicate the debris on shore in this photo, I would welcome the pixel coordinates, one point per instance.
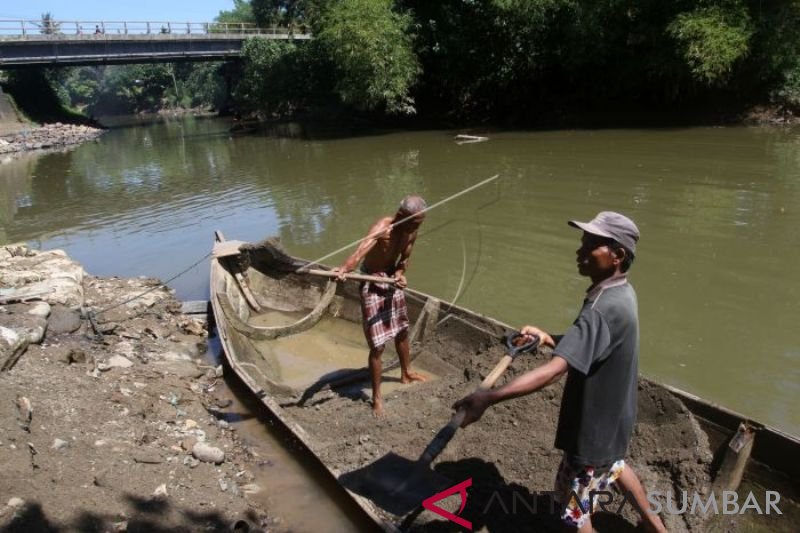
(117, 427)
(48, 136)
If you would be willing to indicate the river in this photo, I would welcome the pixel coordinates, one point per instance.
(718, 209)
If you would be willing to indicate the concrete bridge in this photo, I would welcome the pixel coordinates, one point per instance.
(50, 43)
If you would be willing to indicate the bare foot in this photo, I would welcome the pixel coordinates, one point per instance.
(377, 408)
(412, 376)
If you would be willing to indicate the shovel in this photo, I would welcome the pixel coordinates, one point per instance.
(399, 485)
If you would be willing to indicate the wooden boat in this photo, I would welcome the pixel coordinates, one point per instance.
(296, 342)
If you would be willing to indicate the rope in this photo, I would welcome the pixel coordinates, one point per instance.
(91, 316)
(370, 236)
(159, 286)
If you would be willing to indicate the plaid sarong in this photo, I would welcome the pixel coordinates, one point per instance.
(384, 311)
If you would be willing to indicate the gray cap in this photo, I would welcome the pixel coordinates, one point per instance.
(613, 226)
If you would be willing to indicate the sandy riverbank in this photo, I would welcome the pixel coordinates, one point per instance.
(120, 432)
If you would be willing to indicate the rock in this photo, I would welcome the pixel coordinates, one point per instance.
(63, 320)
(59, 444)
(24, 413)
(68, 355)
(223, 403)
(40, 309)
(207, 453)
(188, 443)
(250, 488)
(190, 461)
(117, 361)
(50, 273)
(182, 367)
(35, 331)
(12, 346)
(147, 456)
(160, 492)
(189, 424)
(15, 502)
(8, 335)
(192, 326)
(125, 349)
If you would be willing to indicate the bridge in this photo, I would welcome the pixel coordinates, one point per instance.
(51, 43)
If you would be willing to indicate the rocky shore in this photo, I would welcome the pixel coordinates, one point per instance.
(118, 427)
(47, 136)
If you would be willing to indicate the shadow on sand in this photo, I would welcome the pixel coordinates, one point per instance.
(144, 516)
(496, 506)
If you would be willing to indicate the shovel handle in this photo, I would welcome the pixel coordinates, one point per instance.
(489, 381)
(358, 277)
(443, 437)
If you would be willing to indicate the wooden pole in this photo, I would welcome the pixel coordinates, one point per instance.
(737, 452)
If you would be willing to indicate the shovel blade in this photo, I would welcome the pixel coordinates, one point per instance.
(395, 484)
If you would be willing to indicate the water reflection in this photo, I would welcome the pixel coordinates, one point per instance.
(718, 209)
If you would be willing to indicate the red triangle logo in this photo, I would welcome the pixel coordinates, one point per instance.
(461, 489)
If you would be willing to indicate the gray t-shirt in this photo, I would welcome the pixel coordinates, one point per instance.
(598, 409)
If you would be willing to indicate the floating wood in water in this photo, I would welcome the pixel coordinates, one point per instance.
(465, 139)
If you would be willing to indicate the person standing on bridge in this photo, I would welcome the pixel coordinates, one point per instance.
(385, 252)
(98, 30)
(599, 354)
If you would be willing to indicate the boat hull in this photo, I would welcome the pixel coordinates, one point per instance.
(679, 443)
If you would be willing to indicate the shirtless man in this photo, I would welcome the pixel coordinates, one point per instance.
(385, 252)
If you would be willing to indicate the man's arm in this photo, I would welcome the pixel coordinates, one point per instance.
(402, 265)
(538, 378)
(363, 249)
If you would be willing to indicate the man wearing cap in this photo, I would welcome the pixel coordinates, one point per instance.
(599, 353)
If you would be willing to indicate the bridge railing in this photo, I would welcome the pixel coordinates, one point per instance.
(12, 29)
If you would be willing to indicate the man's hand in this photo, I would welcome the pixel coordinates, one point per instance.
(474, 405)
(400, 281)
(341, 273)
(544, 338)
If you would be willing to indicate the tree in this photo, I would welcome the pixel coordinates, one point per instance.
(371, 48)
(241, 12)
(712, 39)
(275, 12)
(48, 25)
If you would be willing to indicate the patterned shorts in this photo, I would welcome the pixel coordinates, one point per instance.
(384, 312)
(576, 482)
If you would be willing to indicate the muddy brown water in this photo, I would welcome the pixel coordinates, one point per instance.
(718, 208)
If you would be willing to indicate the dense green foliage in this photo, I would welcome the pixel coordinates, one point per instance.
(712, 39)
(496, 57)
(147, 87)
(362, 54)
(278, 77)
(372, 51)
(488, 59)
(33, 93)
(501, 58)
(242, 12)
